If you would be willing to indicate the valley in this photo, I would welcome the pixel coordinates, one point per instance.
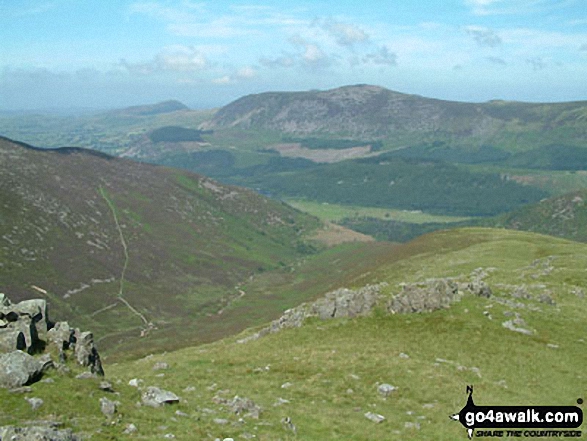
(359, 252)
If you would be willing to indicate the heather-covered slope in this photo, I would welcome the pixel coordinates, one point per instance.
(123, 247)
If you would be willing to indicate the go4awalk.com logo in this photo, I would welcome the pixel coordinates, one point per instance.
(520, 421)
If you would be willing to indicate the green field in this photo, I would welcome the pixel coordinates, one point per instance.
(336, 212)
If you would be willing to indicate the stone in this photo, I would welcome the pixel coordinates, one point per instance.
(35, 402)
(36, 433)
(85, 376)
(512, 327)
(11, 340)
(106, 386)
(86, 352)
(61, 335)
(4, 301)
(130, 428)
(135, 382)
(36, 311)
(156, 397)
(404, 356)
(375, 417)
(386, 389)
(221, 421)
(18, 368)
(160, 366)
(240, 406)
(108, 407)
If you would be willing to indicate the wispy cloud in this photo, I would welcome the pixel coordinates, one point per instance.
(497, 60)
(513, 7)
(176, 58)
(382, 56)
(537, 63)
(345, 34)
(483, 36)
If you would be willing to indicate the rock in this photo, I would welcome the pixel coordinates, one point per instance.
(12, 340)
(36, 433)
(480, 288)
(512, 327)
(281, 402)
(160, 366)
(106, 386)
(386, 389)
(4, 301)
(61, 335)
(21, 390)
(108, 407)
(240, 406)
(189, 389)
(36, 311)
(221, 421)
(130, 428)
(181, 414)
(85, 376)
(86, 352)
(286, 385)
(425, 297)
(376, 418)
(404, 356)
(546, 298)
(288, 424)
(135, 382)
(413, 426)
(18, 368)
(35, 402)
(156, 397)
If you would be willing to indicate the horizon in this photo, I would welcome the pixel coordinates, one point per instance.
(64, 55)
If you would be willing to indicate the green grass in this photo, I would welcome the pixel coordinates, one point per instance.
(334, 367)
(337, 212)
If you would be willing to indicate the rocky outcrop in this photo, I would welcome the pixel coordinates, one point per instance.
(420, 297)
(26, 331)
(36, 433)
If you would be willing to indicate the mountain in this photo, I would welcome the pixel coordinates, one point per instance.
(122, 247)
(562, 216)
(364, 111)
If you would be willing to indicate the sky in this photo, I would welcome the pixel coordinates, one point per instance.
(86, 54)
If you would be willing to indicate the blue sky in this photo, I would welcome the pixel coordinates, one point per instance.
(112, 53)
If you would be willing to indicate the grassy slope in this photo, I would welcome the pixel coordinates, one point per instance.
(324, 361)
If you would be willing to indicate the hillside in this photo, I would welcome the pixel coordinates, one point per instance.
(522, 343)
(123, 247)
(364, 111)
(563, 216)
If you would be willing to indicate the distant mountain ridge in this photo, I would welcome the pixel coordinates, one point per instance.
(365, 111)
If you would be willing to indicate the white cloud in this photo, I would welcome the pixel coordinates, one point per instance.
(345, 34)
(175, 58)
(383, 56)
(246, 73)
(222, 80)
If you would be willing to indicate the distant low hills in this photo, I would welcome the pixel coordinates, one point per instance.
(154, 109)
(364, 111)
(121, 247)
